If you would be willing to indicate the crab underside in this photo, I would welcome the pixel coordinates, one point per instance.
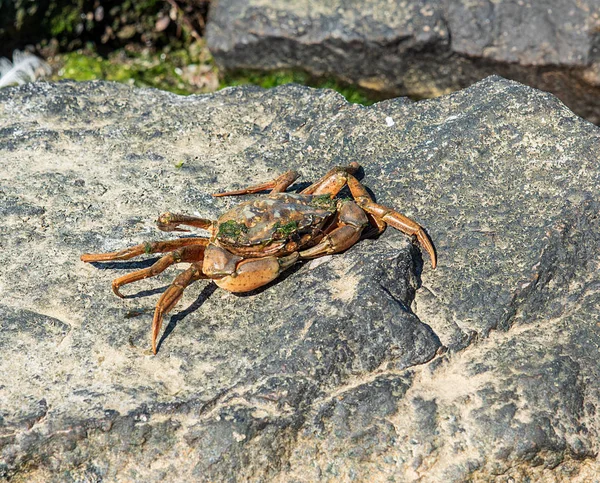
(253, 243)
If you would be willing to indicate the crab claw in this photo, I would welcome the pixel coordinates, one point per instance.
(253, 273)
(171, 221)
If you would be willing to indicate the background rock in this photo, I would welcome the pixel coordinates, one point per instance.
(368, 365)
(419, 48)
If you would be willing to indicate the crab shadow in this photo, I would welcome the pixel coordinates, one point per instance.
(204, 295)
(121, 265)
(207, 292)
(132, 266)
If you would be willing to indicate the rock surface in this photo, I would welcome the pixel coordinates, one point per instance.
(366, 366)
(419, 48)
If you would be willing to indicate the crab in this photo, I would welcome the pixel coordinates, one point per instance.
(254, 242)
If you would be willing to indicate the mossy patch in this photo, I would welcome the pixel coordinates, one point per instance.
(323, 202)
(64, 23)
(287, 229)
(276, 78)
(142, 69)
(232, 229)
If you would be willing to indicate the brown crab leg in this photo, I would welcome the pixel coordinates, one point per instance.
(339, 240)
(171, 296)
(171, 221)
(352, 221)
(391, 217)
(332, 183)
(278, 185)
(148, 247)
(193, 253)
(376, 226)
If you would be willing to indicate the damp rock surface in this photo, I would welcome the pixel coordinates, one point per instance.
(366, 365)
(419, 48)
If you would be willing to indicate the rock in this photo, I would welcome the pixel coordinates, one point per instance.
(368, 365)
(419, 49)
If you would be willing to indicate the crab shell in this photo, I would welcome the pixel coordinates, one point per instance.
(273, 226)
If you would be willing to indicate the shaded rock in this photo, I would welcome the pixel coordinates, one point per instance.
(365, 365)
(420, 49)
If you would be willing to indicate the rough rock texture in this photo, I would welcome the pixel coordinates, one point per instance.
(420, 48)
(365, 366)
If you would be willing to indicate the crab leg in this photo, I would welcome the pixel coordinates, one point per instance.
(376, 226)
(278, 185)
(352, 221)
(391, 217)
(148, 247)
(171, 221)
(193, 253)
(171, 296)
(332, 183)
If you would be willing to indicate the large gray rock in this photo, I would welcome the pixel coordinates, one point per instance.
(367, 365)
(419, 48)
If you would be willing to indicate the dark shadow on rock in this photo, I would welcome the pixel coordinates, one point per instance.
(175, 319)
(298, 187)
(372, 195)
(125, 265)
(146, 293)
(417, 254)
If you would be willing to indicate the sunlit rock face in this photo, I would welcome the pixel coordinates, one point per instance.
(367, 365)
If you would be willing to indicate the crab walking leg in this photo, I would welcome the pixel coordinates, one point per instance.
(253, 273)
(193, 253)
(171, 221)
(352, 221)
(376, 226)
(171, 296)
(148, 247)
(391, 217)
(278, 185)
(332, 183)
(339, 240)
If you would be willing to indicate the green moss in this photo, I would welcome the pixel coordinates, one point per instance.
(277, 78)
(158, 70)
(232, 229)
(324, 202)
(64, 23)
(165, 70)
(82, 67)
(286, 229)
